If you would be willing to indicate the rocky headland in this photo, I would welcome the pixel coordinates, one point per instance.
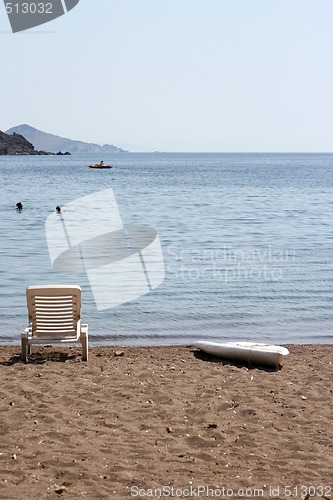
(16, 144)
(50, 142)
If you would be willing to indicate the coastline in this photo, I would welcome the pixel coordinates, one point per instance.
(138, 418)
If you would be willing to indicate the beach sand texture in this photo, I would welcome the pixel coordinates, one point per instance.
(148, 417)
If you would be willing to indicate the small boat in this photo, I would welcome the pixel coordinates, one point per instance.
(100, 165)
(262, 354)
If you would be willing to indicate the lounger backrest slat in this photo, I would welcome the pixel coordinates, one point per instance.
(54, 312)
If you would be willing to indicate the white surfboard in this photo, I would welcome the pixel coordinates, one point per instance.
(263, 354)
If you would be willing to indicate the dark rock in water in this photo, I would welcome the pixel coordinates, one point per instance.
(16, 144)
(63, 154)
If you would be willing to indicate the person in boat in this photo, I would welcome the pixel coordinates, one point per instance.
(58, 209)
(101, 163)
(19, 206)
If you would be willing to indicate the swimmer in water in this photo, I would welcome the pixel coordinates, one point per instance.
(19, 206)
(58, 209)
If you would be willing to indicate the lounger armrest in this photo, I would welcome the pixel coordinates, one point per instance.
(26, 332)
(84, 330)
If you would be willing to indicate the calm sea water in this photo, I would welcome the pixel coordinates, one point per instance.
(247, 241)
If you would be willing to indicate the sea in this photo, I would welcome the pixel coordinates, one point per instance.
(247, 244)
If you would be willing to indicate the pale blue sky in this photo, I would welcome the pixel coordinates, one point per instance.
(176, 75)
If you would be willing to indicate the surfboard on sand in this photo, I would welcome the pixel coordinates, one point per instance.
(252, 353)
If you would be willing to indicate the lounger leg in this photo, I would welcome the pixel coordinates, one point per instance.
(84, 342)
(24, 349)
(84, 348)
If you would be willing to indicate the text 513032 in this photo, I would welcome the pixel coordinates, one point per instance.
(29, 8)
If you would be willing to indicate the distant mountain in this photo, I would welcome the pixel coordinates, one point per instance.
(16, 144)
(54, 143)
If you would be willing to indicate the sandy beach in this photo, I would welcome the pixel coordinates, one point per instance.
(140, 422)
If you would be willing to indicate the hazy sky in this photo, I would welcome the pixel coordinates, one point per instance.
(176, 75)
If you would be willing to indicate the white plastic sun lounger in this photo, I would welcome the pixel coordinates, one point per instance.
(54, 317)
